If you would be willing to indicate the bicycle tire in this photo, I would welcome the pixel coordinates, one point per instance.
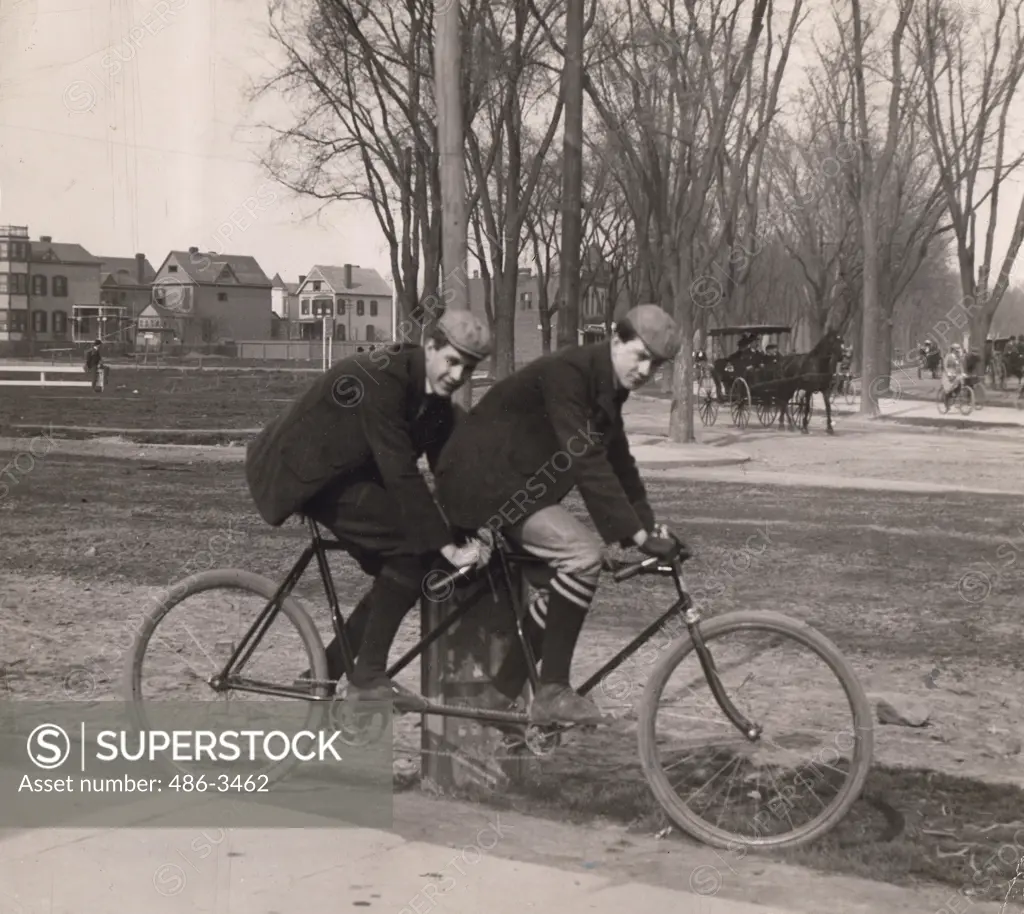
(965, 401)
(237, 580)
(776, 623)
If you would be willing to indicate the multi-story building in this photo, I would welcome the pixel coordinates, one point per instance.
(126, 283)
(207, 298)
(358, 298)
(15, 255)
(64, 293)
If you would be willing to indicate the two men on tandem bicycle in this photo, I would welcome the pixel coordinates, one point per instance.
(345, 455)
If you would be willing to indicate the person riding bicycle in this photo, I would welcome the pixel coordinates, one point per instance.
(954, 372)
(345, 454)
(552, 427)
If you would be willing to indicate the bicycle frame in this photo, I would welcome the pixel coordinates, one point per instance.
(319, 547)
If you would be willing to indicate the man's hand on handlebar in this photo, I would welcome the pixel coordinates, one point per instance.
(662, 543)
(473, 553)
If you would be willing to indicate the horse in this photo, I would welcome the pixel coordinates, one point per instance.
(811, 372)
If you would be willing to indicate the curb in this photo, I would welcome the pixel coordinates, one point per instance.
(694, 462)
(959, 424)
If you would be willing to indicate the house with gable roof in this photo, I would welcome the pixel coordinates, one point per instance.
(205, 297)
(358, 298)
(64, 294)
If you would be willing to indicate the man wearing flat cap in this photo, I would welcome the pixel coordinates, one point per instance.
(554, 426)
(345, 454)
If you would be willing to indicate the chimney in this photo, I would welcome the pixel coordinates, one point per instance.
(302, 278)
(348, 276)
(46, 238)
(140, 268)
(193, 250)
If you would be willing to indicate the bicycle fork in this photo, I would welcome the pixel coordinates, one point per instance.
(748, 728)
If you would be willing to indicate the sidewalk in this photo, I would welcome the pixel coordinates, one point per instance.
(314, 866)
(443, 856)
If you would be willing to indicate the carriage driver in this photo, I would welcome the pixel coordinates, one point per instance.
(345, 454)
(552, 427)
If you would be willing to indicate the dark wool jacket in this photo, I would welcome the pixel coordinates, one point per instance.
(368, 411)
(553, 426)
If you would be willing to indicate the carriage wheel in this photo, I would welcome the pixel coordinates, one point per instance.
(767, 413)
(739, 403)
(707, 402)
(849, 392)
(941, 402)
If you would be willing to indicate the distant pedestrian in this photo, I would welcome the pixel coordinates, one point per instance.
(94, 366)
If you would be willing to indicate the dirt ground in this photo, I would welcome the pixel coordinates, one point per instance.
(918, 590)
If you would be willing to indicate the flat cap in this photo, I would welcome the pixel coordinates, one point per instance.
(657, 330)
(466, 332)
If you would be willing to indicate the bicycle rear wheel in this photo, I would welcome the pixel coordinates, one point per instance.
(765, 776)
(188, 637)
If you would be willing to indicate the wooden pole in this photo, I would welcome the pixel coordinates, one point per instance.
(436, 732)
(572, 188)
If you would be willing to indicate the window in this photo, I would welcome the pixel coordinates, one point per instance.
(373, 309)
(16, 321)
(222, 296)
(371, 333)
(60, 286)
(14, 283)
(339, 332)
(341, 307)
(3, 321)
(316, 285)
(207, 330)
(39, 322)
(360, 308)
(38, 285)
(173, 268)
(4, 250)
(304, 308)
(60, 323)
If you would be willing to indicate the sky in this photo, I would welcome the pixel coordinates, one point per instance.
(125, 127)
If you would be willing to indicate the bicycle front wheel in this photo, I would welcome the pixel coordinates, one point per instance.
(187, 638)
(773, 669)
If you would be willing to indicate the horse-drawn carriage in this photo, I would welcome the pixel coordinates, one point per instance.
(1002, 360)
(757, 377)
(726, 375)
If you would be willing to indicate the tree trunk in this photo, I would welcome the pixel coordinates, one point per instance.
(680, 427)
(572, 217)
(505, 316)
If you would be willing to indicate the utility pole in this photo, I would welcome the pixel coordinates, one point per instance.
(572, 187)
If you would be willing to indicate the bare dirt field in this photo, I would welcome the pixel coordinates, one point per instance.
(919, 590)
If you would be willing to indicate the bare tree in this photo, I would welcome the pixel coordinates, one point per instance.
(358, 77)
(674, 92)
(972, 72)
(873, 173)
(507, 156)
